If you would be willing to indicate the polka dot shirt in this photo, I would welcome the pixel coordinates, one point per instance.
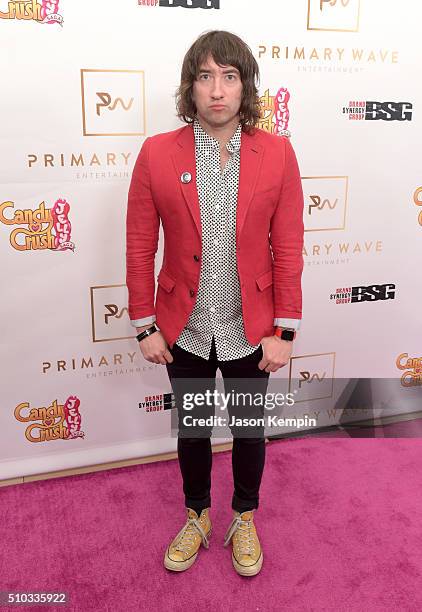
(218, 308)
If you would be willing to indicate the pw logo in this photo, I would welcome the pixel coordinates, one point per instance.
(106, 102)
(334, 15)
(120, 91)
(308, 378)
(113, 311)
(327, 3)
(109, 313)
(318, 203)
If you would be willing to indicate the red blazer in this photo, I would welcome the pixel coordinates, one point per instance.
(269, 232)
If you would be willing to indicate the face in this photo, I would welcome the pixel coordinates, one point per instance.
(217, 93)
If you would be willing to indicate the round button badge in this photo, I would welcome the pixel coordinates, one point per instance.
(186, 177)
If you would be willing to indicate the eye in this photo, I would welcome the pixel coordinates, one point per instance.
(203, 77)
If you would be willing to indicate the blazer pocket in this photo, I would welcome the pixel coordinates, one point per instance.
(265, 280)
(165, 281)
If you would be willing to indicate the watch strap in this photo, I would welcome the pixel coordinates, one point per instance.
(146, 333)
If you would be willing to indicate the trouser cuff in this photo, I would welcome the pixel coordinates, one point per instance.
(243, 505)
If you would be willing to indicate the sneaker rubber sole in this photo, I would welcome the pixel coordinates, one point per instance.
(248, 570)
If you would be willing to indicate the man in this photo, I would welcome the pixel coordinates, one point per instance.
(230, 200)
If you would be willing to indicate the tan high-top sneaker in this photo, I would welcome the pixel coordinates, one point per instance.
(247, 554)
(183, 550)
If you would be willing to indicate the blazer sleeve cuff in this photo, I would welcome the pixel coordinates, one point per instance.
(293, 323)
(144, 321)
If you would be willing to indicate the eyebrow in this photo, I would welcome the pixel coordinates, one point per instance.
(225, 71)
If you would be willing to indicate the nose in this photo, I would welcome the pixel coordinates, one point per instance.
(216, 90)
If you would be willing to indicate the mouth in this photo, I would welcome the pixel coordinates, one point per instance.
(217, 107)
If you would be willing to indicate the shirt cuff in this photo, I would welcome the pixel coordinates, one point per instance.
(144, 321)
(293, 323)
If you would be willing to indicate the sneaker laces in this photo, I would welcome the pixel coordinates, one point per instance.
(192, 527)
(246, 535)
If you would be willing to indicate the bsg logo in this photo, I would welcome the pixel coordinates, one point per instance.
(107, 102)
(319, 203)
(388, 111)
(373, 293)
(201, 4)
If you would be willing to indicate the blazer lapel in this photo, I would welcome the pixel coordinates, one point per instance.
(184, 161)
(251, 154)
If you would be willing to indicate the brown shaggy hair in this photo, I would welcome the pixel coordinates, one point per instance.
(227, 49)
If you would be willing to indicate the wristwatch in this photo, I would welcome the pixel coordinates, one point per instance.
(146, 333)
(285, 333)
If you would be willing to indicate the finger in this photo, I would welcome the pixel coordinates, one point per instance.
(159, 358)
(263, 364)
(168, 356)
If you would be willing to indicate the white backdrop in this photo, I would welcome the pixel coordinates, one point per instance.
(78, 97)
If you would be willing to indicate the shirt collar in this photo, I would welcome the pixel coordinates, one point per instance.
(203, 140)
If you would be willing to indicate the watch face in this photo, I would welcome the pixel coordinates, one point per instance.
(287, 334)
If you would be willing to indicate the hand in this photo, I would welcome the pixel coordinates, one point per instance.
(154, 348)
(276, 353)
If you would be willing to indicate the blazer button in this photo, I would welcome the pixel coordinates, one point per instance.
(192, 292)
(196, 258)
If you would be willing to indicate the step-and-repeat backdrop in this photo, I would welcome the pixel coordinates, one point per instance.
(83, 84)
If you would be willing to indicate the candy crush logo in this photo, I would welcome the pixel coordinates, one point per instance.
(46, 11)
(417, 198)
(412, 366)
(55, 422)
(45, 228)
(275, 112)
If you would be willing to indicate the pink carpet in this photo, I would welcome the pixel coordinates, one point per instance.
(340, 523)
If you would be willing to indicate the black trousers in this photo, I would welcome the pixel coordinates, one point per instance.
(194, 453)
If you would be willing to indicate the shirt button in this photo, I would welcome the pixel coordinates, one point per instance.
(192, 292)
(217, 207)
(212, 309)
(214, 275)
(215, 241)
(196, 258)
(216, 171)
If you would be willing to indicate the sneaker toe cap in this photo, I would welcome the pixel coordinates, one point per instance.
(247, 560)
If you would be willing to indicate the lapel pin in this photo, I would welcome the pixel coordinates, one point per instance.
(186, 177)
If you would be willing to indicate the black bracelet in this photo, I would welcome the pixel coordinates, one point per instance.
(146, 333)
